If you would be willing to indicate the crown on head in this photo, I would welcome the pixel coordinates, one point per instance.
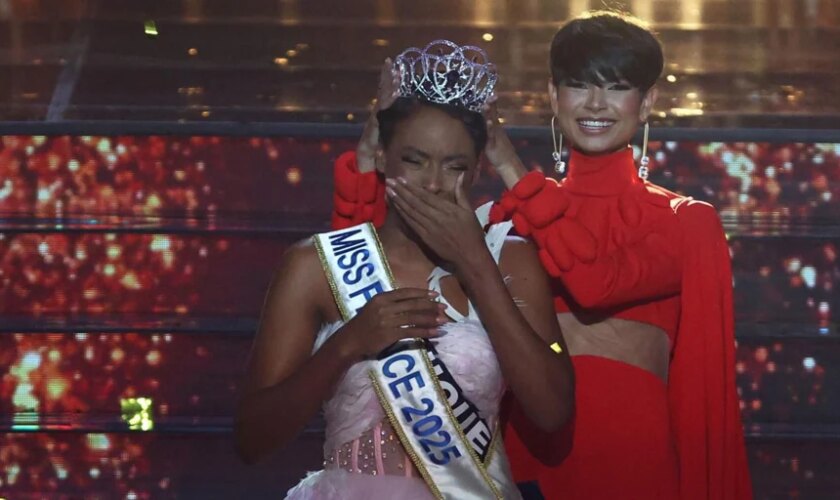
(446, 73)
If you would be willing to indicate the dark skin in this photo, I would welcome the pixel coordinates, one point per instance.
(433, 153)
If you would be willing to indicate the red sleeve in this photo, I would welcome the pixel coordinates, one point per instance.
(358, 197)
(705, 412)
(642, 269)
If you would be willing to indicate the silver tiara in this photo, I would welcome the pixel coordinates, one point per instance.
(446, 73)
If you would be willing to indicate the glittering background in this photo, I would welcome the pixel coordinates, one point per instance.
(134, 267)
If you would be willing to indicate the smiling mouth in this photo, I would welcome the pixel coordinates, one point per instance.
(593, 126)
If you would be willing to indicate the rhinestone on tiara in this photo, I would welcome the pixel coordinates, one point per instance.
(446, 73)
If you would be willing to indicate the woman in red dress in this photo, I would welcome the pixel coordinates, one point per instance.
(643, 286)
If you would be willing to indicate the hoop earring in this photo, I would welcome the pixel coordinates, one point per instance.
(559, 164)
(644, 171)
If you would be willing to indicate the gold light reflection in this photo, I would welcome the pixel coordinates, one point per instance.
(130, 281)
(691, 14)
(483, 11)
(578, 7)
(487, 37)
(281, 61)
(686, 112)
(643, 9)
(294, 176)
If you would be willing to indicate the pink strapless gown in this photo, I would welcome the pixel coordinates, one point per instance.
(353, 412)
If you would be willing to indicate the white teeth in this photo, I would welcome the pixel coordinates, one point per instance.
(595, 123)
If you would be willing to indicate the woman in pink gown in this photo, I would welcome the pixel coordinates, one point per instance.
(477, 295)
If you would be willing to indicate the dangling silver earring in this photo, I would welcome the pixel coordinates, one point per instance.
(559, 164)
(643, 165)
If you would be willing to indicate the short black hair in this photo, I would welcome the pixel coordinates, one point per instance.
(404, 107)
(606, 47)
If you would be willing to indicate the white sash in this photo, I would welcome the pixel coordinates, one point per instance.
(451, 446)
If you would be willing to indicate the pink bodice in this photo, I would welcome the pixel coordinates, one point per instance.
(354, 409)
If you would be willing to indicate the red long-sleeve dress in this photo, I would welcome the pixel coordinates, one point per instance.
(621, 248)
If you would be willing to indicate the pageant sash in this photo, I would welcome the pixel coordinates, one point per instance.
(449, 443)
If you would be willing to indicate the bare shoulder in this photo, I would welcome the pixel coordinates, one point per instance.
(302, 253)
(290, 317)
(300, 273)
(300, 259)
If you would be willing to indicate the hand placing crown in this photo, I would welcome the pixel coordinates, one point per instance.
(446, 73)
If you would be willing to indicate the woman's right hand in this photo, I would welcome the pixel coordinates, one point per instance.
(389, 86)
(392, 316)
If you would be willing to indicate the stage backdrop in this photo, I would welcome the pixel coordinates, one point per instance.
(133, 268)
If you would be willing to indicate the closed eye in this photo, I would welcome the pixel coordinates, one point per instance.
(412, 160)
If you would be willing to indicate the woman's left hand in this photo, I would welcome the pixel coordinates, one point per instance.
(449, 229)
(389, 86)
(499, 150)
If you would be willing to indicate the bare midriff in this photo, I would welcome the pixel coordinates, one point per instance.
(638, 344)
